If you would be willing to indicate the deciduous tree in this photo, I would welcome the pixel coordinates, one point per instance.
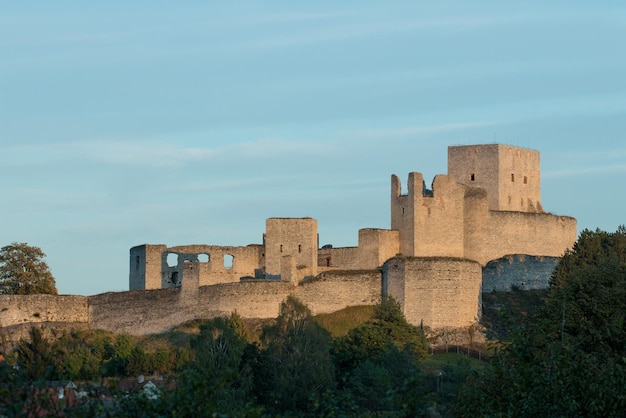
(23, 271)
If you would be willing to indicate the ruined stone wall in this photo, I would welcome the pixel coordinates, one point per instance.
(435, 292)
(218, 264)
(157, 266)
(20, 309)
(296, 237)
(337, 258)
(523, 272)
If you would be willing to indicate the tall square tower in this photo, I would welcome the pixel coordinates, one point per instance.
(295, 237)
(510, 175)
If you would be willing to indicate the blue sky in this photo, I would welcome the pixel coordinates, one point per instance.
(125, 123)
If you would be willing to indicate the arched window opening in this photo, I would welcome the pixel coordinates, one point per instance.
(204, 258)
(172, 260)
(228, 261)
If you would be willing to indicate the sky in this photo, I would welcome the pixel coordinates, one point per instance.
(124, 123)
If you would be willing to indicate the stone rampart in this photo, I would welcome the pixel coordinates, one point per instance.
(20, 309)
(437, 292)
(523, 272)
(137, 312)
(334, 290)
(539, 234)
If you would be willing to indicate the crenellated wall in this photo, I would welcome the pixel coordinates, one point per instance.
(454, 220)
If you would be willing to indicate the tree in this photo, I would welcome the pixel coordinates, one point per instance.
(23, 271)
(35, 356)
(569, 359)
(296, 367)
(377, 361)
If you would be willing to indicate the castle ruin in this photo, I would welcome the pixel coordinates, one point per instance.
(479, 228)
(432, 259)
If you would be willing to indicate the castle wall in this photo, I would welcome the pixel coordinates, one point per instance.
(375, 247)
(20, 309)
(155, 311)
(296, 237)
(137, 312)
(335, 290)
(522, 272)
(250, 299)
(503, 233)
(435, 292)
(337, 258)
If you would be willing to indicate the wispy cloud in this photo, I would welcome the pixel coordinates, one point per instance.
(159, 153)
(406, 132)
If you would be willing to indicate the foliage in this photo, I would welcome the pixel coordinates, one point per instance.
(35, 356)
(388, 326)
(570, 358)
(377, 361)
(218, 380)
(23, 271)
(295, 365)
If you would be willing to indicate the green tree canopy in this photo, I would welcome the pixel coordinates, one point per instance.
(569, 359)
(296, 367)
(23, 271)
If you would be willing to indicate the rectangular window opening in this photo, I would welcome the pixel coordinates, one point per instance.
(512, 177)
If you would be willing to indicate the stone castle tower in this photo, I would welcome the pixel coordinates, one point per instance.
(486, 207)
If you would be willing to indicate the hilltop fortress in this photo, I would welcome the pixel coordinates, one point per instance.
(479, 228)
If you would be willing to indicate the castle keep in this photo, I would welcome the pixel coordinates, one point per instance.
(487, 208)
(477, 229)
